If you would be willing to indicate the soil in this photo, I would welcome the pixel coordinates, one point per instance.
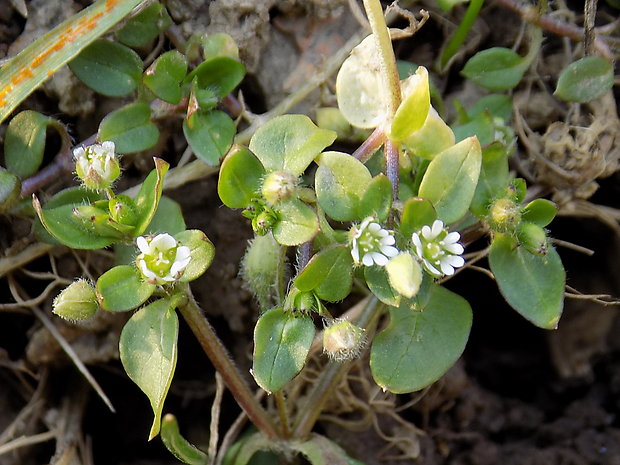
(518, 396)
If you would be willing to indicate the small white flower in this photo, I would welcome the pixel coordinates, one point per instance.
(438, 250)
(97, 165)
(162, 259)
(371, 244)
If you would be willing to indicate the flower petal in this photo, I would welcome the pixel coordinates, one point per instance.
(163, 242)
(389, 251)
(456, 249)
(367, 259)
(143, 245)
(379, 259)
(437, 227)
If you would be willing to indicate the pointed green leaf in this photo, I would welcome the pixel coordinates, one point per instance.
(281, 344)
(451, 178)
(340, 184)
(108, 68)
(413, 111)
(298, 223)
(164, 76)
(417, 348)
(532, 284)
(209, 134)
(177, 445)
(122, 288)
(498, 105)
(144, 26)
(130, 128)
(148, 197)
(24, 143)
(240, 179)
(585, 80)
(495, 69)
(328, 274)
(377, 200)
(148, 350)
(289, 143)
(220, 75)
(201, 251)
(540, 212)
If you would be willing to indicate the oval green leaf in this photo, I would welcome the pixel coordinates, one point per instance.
(122, 288)
(289, 143)
(493, 180)
(417, 212)
(379, 284)
(220, 75)
(495, 69)
(585, 80)
(540, 212)
(298, 223)
(240, 178)
(144, 26)
(328, 273)
(164, 76)
(202, 252)
(377, 200)
(451, 178)
(24, 143)
(108, 68)
(10, 188)
(417, 348)
(532, 284)
(413, 111)
(341, 182)
(281, 344)
(148, 350)
(210, 135)
(130, 128)
(147, 200)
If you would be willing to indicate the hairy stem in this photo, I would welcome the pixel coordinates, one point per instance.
(283, 414)
(222, 362)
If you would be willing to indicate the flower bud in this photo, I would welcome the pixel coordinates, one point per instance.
(343, 340)
(278, 186)
(504, 215)
(123, 210)
(259, 268)
(76, 302)
(533, 238)
(97, 165)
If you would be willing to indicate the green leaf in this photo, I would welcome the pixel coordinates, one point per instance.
(377, 200)
(451, 178)
(164, 76)
(148, 350)
(417, 348)
(494, 175)
(321, 451)
(219, 44)
(281, 344)
(108, 68)
(147, 200)
(298, 223)
(62, 224)
(432, 138)
(585, 80)
(210, 135)
(145, 26)
(10, 188)
(495, 69)
(24, 143)
(413, 111)
(240, 178)
(328, 274)
(177, 445)
(540, 212)
(482, 126)
(167, 219)
(532, 284)
(130, 128)
(201, 251)
(498, 105)
(289, 143)
(379, 284)
(25, 72)
(340, 182)
(122, 288)
(220, 75)
(417, 212)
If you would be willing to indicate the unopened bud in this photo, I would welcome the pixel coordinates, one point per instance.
(76, 302)
(533, 238)
(504, 215)
(123, 210)
(278, 186)
(97, 165)
(343, 340)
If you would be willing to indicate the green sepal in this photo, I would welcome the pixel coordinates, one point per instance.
(220, 75)
(148, 197)
(585, 80)
(341, 182)
(417, 212)
(329, 274)
(144, 26)
(377, 200)
(24, 143)
(165, 75)
(122, 288)
(297, 223)
(540, 212)
(289, 143)
(148, 351)
(240, 178)
(418, 347)
(130, 128)
(282, 341)
(177, 445)
(210, 134)
(532, 284)
(202, 252)
(108, 68)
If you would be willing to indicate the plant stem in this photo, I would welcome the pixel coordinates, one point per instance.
(370, 145)
(283, 413)
(330, 376)
(461, 32)
(222, 362)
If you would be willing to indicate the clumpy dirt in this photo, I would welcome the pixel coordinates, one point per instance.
(518, 396)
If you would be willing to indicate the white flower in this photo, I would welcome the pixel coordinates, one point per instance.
(97, 165)
(439, 250)
(162, 259)
(371, 244)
